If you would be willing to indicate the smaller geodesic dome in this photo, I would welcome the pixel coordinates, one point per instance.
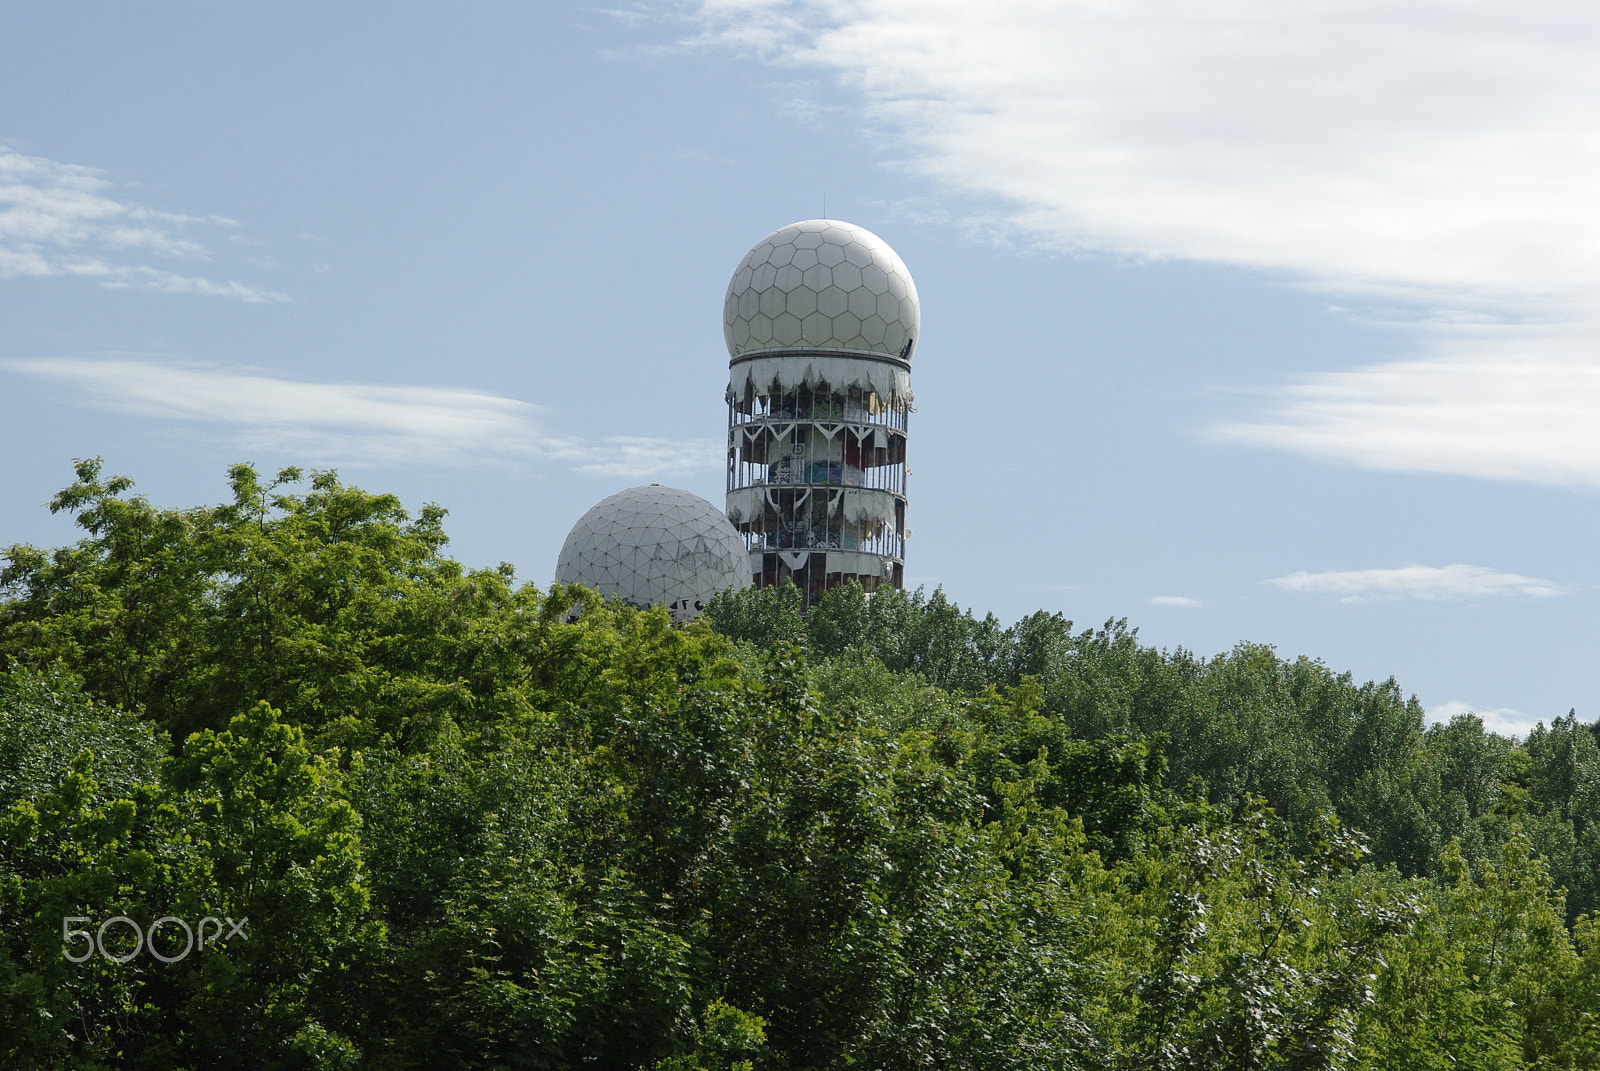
(655, 544)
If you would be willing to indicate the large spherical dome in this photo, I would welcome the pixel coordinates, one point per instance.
(821, 285)
(656, 544)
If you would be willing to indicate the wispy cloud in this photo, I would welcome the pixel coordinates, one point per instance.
(1415, 582)
(1174, 600)
(1441, 159)
(631, 456)
(61, 220)
(1530, 413)
(355, 422)
(1502, 720)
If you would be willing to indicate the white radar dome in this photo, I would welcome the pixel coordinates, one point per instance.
(655, 544)
(821, 285)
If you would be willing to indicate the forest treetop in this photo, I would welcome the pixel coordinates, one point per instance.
(477, 824)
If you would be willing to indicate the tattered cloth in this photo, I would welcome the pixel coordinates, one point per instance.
(751, 377)
(869, 508)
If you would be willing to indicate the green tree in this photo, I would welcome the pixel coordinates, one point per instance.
(245, 825)
(46, 720)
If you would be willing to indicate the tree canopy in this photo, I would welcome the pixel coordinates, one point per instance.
(475, 824)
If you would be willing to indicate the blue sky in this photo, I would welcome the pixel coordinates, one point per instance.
(1267, 322)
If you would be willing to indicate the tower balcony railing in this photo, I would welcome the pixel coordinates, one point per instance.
(803, 472)
(801, 517)
(886, 543)
(774, 409)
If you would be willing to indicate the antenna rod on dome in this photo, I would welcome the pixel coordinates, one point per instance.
(824, 204)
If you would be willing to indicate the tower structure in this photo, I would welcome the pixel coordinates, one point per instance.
(821, 318)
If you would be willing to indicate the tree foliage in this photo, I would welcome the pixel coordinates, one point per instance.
(472, 824)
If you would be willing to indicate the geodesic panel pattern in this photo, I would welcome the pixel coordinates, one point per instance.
(821, 284)
(656, 544)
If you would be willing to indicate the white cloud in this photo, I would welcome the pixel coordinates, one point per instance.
(353, 422)
(1531, 413)
(1173, 600)
(1415, 582)
(632, 457)
(1443, 156)
(61, 220)
(1502, 720)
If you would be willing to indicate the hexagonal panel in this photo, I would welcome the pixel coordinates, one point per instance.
(846, 276)
(817, 277)
(874, 279)
(872, 329)
(802, 301)
(786, 329)
(832, 301)
(772, 302)
(863, 302)
(817, 329)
